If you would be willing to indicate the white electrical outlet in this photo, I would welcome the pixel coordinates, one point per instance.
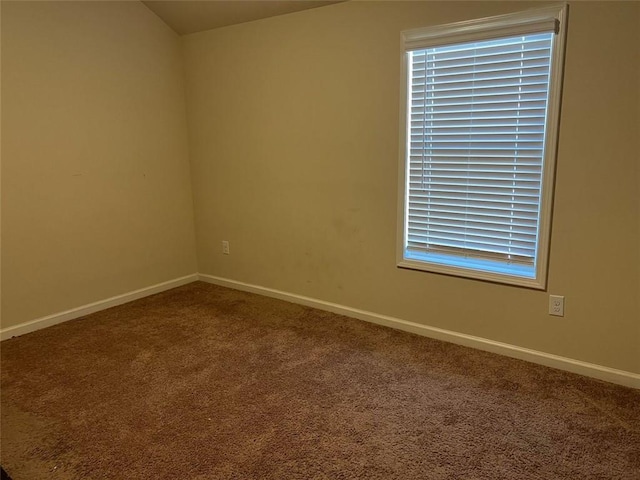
(556, 305)
(225, 247)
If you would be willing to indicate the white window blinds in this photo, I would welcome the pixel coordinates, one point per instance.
(481, 115)
(476, 147)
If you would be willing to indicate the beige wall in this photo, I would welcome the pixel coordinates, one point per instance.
(96, 195)
(294, 149)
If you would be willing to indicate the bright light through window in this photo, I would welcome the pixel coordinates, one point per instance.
(481, 123)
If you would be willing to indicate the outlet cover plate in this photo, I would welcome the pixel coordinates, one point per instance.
(556, 305)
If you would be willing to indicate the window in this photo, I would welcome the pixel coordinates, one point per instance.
(482, 103)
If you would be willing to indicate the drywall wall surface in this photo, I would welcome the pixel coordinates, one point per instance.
(294, 143)
(96, 195)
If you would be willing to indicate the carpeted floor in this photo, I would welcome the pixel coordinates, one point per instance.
(203, 382)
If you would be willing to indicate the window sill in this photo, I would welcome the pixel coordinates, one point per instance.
(472, 269)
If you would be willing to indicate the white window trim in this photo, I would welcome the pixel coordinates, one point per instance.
(531, 21)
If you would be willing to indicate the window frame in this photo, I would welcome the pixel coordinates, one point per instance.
(523, 22)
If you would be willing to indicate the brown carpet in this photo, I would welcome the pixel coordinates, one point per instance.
(204, 382)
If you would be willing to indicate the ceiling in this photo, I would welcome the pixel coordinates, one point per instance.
(188, 16)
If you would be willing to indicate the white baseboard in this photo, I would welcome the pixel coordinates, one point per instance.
(56, 318)
(600, 372)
